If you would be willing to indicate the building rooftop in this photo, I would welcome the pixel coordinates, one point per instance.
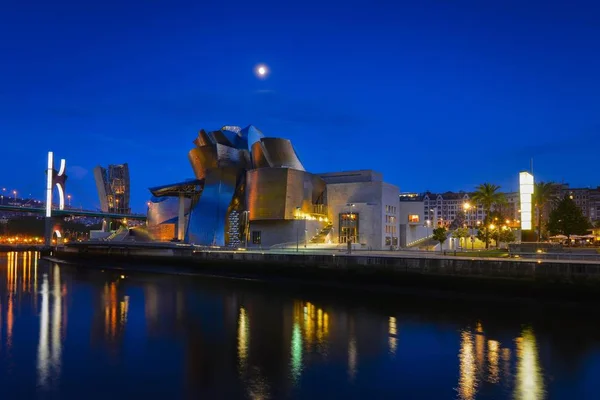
(363, 175)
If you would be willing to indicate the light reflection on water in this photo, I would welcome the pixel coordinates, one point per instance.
(529, 382)
(248, 343)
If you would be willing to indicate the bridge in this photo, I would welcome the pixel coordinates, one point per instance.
(57, 179)
(72, 212)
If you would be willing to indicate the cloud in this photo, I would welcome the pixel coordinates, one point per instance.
(77, 172)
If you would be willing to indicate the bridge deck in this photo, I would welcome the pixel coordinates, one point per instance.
(79, 213)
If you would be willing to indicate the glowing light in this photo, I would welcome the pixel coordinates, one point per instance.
(296, 352)
(530, 383)
(261, 71)
(61, 197)
(392, 340)
(526, 192)
(49, 184)
(243, 337)
(43, 358)
(63, 165)
(493, 358)
(467, 384)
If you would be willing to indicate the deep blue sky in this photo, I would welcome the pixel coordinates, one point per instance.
(436, 95)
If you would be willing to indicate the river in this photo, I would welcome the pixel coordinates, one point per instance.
(82, 333)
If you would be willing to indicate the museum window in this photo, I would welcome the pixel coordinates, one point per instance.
(256, 237)
(348, 228)
(413, 218)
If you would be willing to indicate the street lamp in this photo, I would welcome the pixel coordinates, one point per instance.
(467, 207)
(15, 193)
(69, 198)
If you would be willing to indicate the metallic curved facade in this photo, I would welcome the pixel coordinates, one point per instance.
(278, 193)
(244, 177)
(280, 153)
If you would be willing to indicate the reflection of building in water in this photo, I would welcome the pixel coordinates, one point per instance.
(110, 318)
(506, 375)
(529, 380)
(493, 361)
(392, 339)
(352, 350)
(467, 383)
(20, 284)
(51, 326)
(479, 346)
(243, 339)
(257, 386)
(310, 332)
(163, 309)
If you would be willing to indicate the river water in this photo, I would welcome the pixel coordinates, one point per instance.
(87, 334)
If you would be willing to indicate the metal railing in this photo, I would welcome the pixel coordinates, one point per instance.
(558, 256)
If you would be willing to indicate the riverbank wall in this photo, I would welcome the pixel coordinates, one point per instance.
(502, 277)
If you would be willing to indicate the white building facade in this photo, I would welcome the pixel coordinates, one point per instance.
(363, 209)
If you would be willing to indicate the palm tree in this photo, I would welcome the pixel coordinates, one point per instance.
(488, 196)
(543, 194)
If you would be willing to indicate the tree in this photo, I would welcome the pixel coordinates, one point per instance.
(460, 233)
(488, 196)
(459, 221)
(567, 219)
(439, 234)
(507, 236)
(544, 193)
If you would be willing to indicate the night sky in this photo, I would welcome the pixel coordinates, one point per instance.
(438, 95)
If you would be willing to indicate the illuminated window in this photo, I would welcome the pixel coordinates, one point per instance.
(348, 227)
(413, 218)
(256, 237)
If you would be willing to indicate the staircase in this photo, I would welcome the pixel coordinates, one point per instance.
(322, 235)
(118, 235)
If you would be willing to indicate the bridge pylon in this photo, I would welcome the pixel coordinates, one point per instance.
(58, 179)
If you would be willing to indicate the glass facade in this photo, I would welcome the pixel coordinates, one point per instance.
(348, 231)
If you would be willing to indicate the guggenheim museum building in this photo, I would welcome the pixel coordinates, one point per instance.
(250, 190)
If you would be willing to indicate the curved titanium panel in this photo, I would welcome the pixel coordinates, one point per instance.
(266, 190)
(281, 154)
(258, 156)
(207, 219)
(252, 135)
(164, 209)
(203, 139)
(229, 157)
(196, 161)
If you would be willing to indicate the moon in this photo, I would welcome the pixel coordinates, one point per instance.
(261, 71)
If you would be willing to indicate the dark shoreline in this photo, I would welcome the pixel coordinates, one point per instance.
(373, 280)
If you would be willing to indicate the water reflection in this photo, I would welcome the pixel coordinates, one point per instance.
(49, 358)
(392, 340)
(493, 361)
(529, 379)
(467, 385)
(234, 341)
(530, 383)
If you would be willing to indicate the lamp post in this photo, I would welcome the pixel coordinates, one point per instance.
(69, 198)
(467, 207)
(15, 193)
